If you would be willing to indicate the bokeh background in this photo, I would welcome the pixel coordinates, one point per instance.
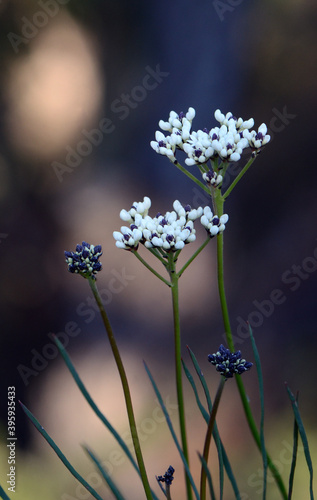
(73, 70)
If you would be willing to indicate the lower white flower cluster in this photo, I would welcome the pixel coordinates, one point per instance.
(225, 142)
(170, 232)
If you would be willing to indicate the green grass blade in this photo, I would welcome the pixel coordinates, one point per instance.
(294, 457)
(215, 433)
(3, 494)
(94, 407)
(201, 378)
(104, 474)
(209, 479)
(58, 452)
(219, 446)
(261, 389)
(189, 376)
(170, 426)
(303, 436)
(92, 404)
(229, 472)
(222, 455)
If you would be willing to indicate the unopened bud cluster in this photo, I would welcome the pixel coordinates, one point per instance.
(168, 476)
(85, 260)
(229, 363)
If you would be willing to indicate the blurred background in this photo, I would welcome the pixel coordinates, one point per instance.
(83, 86)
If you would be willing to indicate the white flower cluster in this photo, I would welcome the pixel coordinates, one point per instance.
(213, 223)
(225, 142)
(179, 127)
(212, 178)
(170, 231)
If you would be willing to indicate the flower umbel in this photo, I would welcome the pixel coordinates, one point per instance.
(84, 260)
(170, 232)
(168, 476)
(228, 363)
(225, 142)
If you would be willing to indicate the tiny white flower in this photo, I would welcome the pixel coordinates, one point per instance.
(212, 223)
(179, 245)
(190, 115)
(235, 157)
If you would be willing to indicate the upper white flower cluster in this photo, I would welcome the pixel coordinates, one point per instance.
(225, 142)
(170, 231)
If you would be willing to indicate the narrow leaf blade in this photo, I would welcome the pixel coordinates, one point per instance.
(189, 376)
(59, 453)
(105, 474)
(170, 426)
(294, 458)
(209, 479)
(3, 494)
(201, 378)
(304, 439)
(261, 390)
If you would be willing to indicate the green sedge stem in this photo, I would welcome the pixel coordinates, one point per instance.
(210, 428)
(193, 257)
(219, 202)
(236, 180)
(150, 268)
(193, 178)
(178, 364)
(126, 390)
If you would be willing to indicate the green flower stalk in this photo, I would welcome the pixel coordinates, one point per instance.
(85, 262)
(164, 236)
(219, 203)
(220, 145)
(228, 364)
(167, 479)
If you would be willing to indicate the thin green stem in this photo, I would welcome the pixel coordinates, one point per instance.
(168, 492)
(150, 268)
(178, 365)
(236, 180)
(126, 390)
(193, 257)
(219, 201)
(193, 178)
(222, 292)
(211, 423)
(156, 252)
